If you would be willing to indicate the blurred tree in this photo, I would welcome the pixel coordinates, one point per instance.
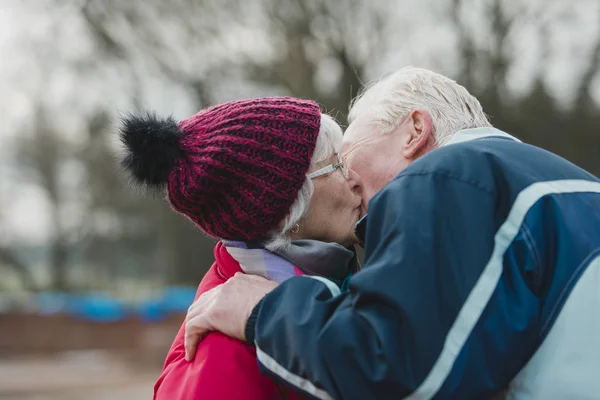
(97, 220)
(313, 49)
(8, 257)
(322, 50)
(537, 117)
(149, 235)
(304, 38)
(20, 268)
(46, 152)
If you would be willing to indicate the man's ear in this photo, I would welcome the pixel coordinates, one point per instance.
(419, 127)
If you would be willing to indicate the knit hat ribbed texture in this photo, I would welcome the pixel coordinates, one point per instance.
(234, 169)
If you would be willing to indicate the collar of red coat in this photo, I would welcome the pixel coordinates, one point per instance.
(226, 264)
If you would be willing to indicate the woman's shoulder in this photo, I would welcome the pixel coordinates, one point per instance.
(222, 368)
(227, 368)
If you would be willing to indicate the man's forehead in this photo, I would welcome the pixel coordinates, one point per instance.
(347, 144)
(359, 132)
(355, 130)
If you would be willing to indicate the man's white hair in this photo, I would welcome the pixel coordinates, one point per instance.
(387, 102)
(329, 141)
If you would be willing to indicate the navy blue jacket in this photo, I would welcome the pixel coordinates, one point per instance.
(482, 258)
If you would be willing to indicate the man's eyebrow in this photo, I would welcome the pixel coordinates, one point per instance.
(346, 154)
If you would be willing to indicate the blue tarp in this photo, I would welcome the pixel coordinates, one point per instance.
(174, 299)
(97, 307)
(101, 307)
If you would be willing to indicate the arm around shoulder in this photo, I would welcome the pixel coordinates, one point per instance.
(429, 238)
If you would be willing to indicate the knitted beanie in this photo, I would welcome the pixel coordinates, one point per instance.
(234, 169)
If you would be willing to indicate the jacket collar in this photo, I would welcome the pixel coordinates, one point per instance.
(466, 135)
(227, 266)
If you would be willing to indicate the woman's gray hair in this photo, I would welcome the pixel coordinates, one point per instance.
(328, 142)
(387, 102)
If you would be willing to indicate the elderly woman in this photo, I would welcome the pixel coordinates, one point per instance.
(266, 178)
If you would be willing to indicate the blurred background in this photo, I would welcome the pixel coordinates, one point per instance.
(95, 277)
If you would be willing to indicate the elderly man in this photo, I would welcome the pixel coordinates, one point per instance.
(481, 272)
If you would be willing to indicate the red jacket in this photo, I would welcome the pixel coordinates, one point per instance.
(223, 368)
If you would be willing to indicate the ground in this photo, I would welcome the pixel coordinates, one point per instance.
(89, 375)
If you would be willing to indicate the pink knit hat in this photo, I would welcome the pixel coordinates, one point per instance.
(234, 169)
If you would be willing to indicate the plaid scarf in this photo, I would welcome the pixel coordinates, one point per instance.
(311, 257)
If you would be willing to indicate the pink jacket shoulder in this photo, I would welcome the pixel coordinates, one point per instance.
(223, 368)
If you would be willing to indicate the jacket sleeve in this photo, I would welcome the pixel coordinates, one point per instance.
(223, 368)
(433, 312)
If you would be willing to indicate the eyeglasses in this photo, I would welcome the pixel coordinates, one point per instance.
(339, 164)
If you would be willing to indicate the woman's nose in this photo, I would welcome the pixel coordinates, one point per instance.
(354, 181)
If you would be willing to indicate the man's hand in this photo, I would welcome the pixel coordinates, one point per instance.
(225, 308)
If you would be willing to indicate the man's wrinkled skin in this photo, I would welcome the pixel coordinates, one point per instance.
(230, 305)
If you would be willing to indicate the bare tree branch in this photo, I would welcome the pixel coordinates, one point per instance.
(467, 47)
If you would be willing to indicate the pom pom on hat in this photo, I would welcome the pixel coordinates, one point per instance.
(152, 148)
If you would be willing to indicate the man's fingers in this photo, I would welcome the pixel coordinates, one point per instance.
(191, 344)
(195, 329)
(197, 325)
